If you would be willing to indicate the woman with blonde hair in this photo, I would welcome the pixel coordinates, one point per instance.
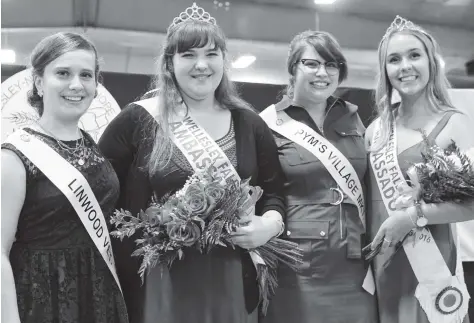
(192, 83)
(417, 281)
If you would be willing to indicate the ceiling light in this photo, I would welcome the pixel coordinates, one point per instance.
(7, 56)
(324, 1)
(244, 61)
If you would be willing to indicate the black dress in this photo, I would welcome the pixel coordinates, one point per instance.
(60, 276)
(214, 288)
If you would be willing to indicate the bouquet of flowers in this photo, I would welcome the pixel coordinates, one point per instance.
(444, 175)
(203, 214)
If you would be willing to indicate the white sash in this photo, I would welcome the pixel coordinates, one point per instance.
(443, 297)
(200, 150)
(74, 186)
(196, 145)
(333, 160)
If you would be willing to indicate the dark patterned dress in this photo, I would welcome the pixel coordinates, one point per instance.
(217, 276)
(60, 276)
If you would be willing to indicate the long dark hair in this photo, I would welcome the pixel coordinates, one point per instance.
(180, 38)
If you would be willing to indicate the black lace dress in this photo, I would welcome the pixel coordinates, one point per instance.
(59, 274)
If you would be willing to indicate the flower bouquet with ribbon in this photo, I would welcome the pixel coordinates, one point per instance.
(266, 257)
(444, 175)
(202, 215)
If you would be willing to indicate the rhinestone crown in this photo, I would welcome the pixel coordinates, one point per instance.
(193, 13)
(399, 24)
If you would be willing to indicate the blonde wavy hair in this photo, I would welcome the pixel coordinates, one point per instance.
(436, 89)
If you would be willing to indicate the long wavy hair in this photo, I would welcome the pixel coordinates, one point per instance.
(179, 39)
(436, 90)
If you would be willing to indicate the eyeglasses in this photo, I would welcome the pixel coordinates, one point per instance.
(332, 68)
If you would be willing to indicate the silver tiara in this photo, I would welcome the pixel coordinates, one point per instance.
(399, 24)
(195, 13)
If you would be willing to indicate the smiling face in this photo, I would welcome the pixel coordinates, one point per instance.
(199, 71)
(407, 64)
(68, 84)
(313, 84)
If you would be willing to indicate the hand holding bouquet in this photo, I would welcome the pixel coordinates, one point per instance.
(204, 214)
(444, 175)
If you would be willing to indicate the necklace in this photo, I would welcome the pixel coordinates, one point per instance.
(76, 151)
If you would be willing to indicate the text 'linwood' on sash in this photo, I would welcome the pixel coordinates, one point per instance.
(97, 224)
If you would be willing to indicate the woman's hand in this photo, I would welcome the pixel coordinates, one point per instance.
(394, 229)
(255, 231)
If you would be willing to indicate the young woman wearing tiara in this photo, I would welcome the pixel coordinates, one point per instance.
(192, 82)
(416, 281)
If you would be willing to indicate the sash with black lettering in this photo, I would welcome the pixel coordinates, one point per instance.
(197, 146)
(200, 150)
(443, 297)
(74, 186)
(333, 160)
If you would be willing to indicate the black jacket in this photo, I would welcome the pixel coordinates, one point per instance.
(127, 141)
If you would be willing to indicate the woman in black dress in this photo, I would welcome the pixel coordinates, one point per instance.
(52, 270)
(192, 81)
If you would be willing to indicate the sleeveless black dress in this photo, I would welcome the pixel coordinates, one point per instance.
(59, 274)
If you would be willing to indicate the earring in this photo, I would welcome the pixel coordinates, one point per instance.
(40, 93)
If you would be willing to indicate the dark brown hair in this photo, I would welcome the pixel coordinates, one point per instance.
(49, 49)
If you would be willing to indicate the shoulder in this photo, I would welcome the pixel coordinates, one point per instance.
(350, 118)
(133, 115)
(457, 128)
(369, 132)
(13, 169)
(248, 117)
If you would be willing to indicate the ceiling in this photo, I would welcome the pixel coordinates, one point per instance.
(128, 33)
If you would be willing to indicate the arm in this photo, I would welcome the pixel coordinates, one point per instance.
(271, 177)
(398, 225)
(271, 205)
(13, 196)
(117, 144)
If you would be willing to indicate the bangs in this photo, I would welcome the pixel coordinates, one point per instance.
(196, 35)
(325, 50)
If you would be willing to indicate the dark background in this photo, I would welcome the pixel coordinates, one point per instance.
(126, 88)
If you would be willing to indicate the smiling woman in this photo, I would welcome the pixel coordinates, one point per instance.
(192, 86)
(67, 87)
(57, 263)
(416, 282)
(311, 127)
